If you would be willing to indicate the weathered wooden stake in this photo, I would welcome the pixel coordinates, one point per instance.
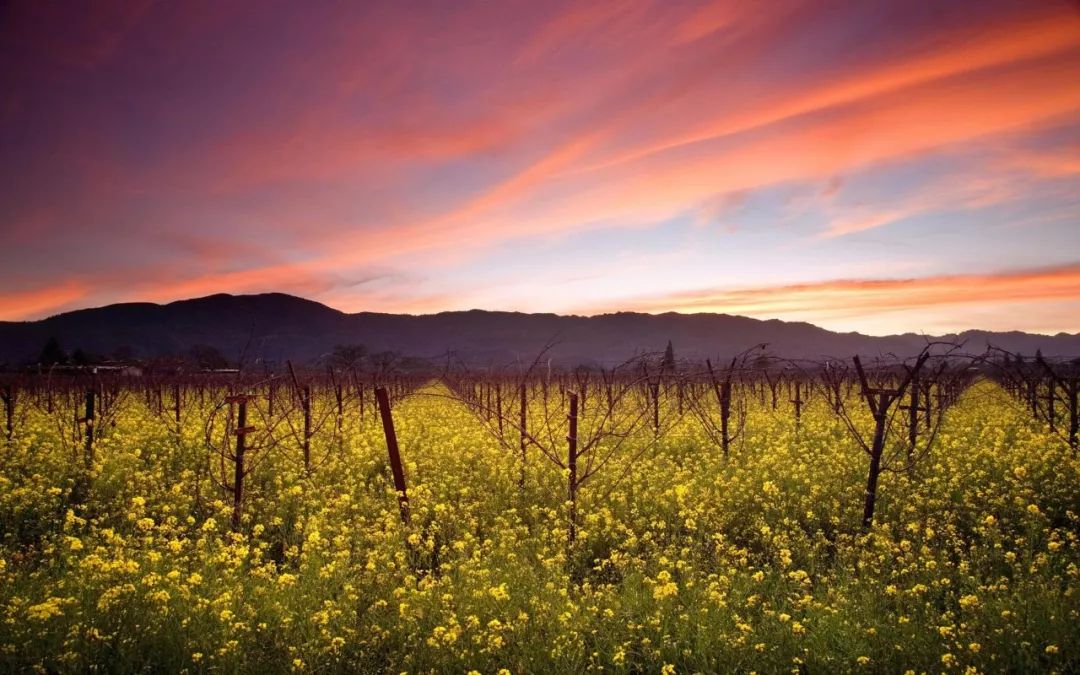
(88, 420)
(524, 443)
(1051, 388)
(913, 419)
(498, 407)
(9, 410)
(571, 464)
(723, 397)
(928, 405)
(1074, 420)
(340, 396)
(725, 415)
(305, 404)
(654, 394)
(396, 467)
(241, 432)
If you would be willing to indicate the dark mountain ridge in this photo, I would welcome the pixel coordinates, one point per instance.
(276, 326)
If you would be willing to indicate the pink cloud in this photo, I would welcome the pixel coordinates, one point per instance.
(18, 305)
(853, 298)
(286, 153)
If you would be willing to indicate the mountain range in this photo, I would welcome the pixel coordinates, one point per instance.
(276, 326)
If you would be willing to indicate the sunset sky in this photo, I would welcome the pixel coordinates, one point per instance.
(874, 166)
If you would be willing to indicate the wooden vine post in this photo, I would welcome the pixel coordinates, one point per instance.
(396, 467)
(914, 407)
(339, 397)
(304, 394)
(798, 404)
(1073, 392)
(928, 392)
(498, 407)
(654, 394)
(88, 421)
(723, 397)
(305, 404)
(9, 409)
(239, 456)
(571, 465)
(1051, 394)
(524, 443)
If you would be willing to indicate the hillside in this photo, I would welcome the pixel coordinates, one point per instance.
(276, 326)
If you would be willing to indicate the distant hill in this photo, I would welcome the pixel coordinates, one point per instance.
(276, 326)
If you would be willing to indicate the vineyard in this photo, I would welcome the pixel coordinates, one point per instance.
(657, 516)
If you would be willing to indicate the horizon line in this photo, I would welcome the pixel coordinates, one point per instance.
(638, 312)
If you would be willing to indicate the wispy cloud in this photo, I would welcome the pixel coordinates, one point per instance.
(18, 305)
(840, 299)
(314, 145)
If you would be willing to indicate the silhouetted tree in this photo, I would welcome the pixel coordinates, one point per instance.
(52, 353)
(667, 365)
(208, 358)
(385, 362)
(347, 357)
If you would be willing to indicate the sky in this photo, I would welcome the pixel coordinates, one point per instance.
(884, 167)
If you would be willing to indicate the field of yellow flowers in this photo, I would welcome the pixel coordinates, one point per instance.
(684, 561)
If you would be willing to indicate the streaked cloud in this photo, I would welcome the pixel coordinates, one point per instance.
(17, 305)
(1019, 293)
(162, 150)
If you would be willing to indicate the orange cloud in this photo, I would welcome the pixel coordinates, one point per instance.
(578, 21)
(390, 137)
(255, 280)
(636, 194)
(1055, 29)
(953, 87)
(17, 306)
(880, 116)
(899, 124)
(847, 298)
(709, 18)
